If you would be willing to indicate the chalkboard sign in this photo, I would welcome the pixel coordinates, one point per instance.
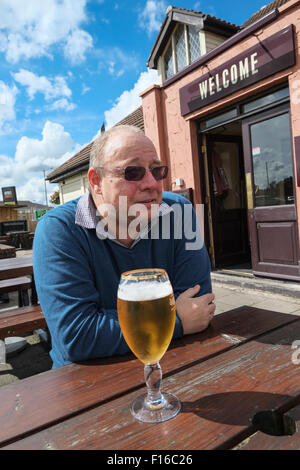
(9, 195)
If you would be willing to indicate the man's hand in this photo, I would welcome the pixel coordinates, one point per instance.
(195, 313)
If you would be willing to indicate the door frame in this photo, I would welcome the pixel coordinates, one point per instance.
(259, 214)
(235, 139)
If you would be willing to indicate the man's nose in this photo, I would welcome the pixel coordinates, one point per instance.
(148, 180)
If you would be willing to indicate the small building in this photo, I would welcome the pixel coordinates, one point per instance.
(225, 118)
(30, 211)
(22, 211)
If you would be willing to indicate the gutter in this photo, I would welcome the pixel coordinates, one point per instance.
(82, 166)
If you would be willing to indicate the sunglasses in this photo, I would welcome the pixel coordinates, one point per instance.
(137, 173)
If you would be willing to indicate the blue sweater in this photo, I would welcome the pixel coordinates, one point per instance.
(77, 277)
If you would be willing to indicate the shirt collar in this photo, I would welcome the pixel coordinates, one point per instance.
(86, 211)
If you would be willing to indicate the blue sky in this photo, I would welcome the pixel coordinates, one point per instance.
(67, 66)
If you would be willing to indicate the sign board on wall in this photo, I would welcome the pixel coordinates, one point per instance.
(266, 58)
(39, 213)
(9, 195)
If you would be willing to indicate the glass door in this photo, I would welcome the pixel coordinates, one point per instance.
(270, 190)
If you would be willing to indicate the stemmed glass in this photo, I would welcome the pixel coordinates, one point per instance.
(146, 312)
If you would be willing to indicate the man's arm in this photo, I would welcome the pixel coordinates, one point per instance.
(191, 279)
(80, 328)
(195, 313)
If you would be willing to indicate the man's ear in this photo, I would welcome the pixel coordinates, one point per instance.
(94, 180)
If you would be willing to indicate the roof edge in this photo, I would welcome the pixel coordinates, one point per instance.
(273, 15)
(174, 15)
(83, 165)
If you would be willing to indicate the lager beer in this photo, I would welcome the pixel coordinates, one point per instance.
(146, 314)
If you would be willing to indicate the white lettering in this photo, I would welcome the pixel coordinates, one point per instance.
(244, 68)
(120, 460)
(254, 62)
(211, 85)
(218, 83)
(203, 89)
(233, 74)
(224, 79)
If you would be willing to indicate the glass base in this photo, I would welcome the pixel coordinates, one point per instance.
(168, 408)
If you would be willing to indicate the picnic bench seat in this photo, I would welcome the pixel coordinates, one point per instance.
(19, 321)
(4, 239)
(20, 284)
(7, 251)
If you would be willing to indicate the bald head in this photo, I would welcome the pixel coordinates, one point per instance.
(111, 142)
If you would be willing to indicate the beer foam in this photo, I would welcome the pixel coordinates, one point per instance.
(144, 291)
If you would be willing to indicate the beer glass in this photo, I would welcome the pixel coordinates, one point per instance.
(146, 312)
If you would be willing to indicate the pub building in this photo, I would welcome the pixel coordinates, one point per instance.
(228, 126)
(225, 118)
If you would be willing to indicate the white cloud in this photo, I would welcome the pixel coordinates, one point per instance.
(130, 99)
(62, 104)
(85, 89)
(50, 88)
(78, 42)
(25, 170)
(197, 6)
(33, 29)
(115, 61)
(7, 106)
(152, 15)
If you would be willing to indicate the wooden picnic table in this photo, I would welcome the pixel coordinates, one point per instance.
(16, 267)
(7, 251)
(11, 268)
(224, 377)
(19, 238)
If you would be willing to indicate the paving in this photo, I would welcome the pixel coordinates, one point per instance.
(231, 291)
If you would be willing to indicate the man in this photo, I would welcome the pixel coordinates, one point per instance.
(82, 247)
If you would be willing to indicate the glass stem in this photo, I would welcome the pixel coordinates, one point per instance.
(153, 377)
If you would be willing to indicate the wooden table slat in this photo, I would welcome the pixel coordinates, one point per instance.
(219, 398)
(15, 267)
(72, 389)
(263, 441)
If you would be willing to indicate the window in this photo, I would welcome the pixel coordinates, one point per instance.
(232, 113)
(194, 44)
(272, 161)
(168, 60)
(184, 47)
(180, 48)
(265, 100)
(247, 107)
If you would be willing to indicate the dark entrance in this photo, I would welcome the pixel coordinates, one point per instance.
(228, 196)
(249, 186)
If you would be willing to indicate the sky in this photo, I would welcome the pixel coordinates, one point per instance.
(67, 67)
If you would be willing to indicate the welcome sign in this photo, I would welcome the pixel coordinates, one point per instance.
(260, 61)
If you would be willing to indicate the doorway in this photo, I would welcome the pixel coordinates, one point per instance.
(228, 203)
(272, 212)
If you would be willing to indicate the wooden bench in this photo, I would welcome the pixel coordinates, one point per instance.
(4, 239)
(20, 284)
(19, 321)
(7, 251)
